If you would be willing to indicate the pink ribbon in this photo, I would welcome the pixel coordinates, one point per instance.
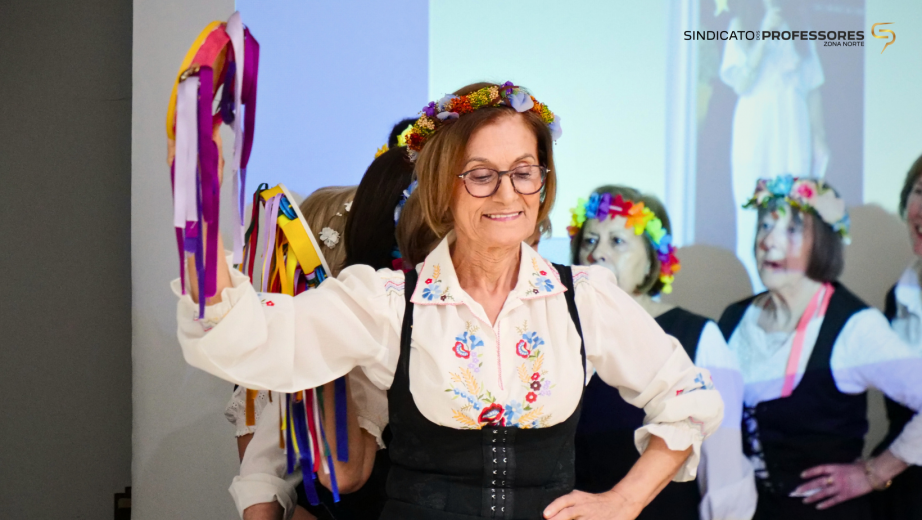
(816, 308)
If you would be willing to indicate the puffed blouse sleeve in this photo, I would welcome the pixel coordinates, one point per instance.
(630, 352)
(269, 341)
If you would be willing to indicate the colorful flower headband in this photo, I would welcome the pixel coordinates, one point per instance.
(639, 217)
(451, 107)
(401, 141)
(812, 195)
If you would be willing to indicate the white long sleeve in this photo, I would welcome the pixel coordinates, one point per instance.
(263, 472)
(725, 476)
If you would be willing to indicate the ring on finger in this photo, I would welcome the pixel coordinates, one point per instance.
(829, 480)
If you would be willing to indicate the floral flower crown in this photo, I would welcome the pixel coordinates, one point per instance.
(401, 141)
(813, 195)
(438, 113)
(639, 217)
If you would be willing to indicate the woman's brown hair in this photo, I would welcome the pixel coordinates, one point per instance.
(414, 237)
(651, 283)
(441, 159)
(324, 208)
(915, 171)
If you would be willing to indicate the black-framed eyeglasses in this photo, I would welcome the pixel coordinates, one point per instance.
(484, 182)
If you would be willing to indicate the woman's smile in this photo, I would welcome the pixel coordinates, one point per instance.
(506, 216)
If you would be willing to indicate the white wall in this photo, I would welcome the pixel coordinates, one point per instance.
(600, 66)
(893, 100)
(184, 453)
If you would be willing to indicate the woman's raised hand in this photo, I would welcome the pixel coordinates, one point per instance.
(610, 505)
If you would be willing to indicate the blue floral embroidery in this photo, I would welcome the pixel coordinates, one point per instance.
(540, 282)
(431, 292)
(514, 410)
(433, 288)
(700, 384)
(464, 347)
(529, 342)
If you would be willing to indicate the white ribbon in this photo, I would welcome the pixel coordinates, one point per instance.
(185, 202)
(234, 30)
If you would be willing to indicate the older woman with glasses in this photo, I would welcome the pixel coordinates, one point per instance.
(486, 347)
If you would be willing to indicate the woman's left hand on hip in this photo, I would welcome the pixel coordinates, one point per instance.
(833, 484)
(578, 505)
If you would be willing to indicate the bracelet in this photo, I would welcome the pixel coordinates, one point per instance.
(869, 473)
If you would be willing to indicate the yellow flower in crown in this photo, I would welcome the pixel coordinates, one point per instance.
(402, 138)
(381, 151)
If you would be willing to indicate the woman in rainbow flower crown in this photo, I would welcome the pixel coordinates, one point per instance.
(629, 233)
(808, 350)
(484, 348)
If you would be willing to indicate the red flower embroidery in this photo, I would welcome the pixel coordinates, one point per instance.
(531, 397)
(270, 304)
(536, 376)
(543, 273)
(521, 349)
(492, 415)
(428, 281)
(461, 350)
(536, 386)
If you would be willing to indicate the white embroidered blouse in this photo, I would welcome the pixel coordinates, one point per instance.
(465, 372)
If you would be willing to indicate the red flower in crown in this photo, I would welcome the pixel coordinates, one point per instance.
(619, 206)
(492, 415)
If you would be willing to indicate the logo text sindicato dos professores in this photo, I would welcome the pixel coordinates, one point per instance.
(831, 38)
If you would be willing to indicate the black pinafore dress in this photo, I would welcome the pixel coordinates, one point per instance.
(817, 424)
(442, 473)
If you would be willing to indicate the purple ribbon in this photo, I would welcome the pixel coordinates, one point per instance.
(208, 177)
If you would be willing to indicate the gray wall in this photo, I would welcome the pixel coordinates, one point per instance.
(184, 453)
(65, 295)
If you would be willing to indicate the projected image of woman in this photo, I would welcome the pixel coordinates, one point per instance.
(485, 347)
(778, 121)
(809, 350)
(628, 233)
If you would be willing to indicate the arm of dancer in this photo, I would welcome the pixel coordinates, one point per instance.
(869, 354)
(651, 371)
(269, 341)
(265, 488)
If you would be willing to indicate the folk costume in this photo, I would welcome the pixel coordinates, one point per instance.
(903, 308)
(605, 449)
(805, 392)
(459, 385)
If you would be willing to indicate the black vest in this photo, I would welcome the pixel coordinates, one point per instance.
(442, 473)
(898, 414)
(903, 501)
(816, 424)
(605, 449)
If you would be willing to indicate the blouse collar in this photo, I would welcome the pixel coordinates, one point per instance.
(438, 281)
(908, 293)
